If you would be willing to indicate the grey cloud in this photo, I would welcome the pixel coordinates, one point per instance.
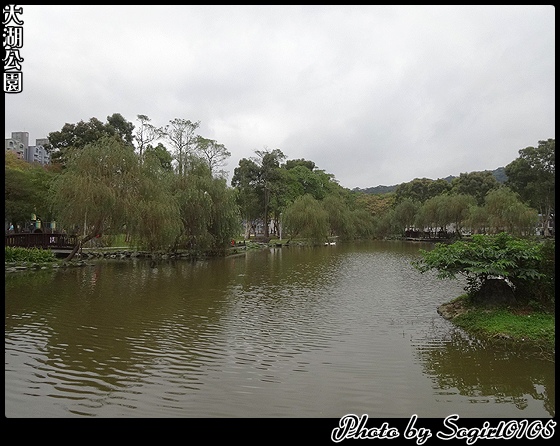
(372, 94)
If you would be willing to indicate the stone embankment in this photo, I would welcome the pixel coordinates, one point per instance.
(14, 267)
(124, 253)
(80, 259)
(87, 254)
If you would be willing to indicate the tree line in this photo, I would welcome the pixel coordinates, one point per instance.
(165, 187)
(309, 202)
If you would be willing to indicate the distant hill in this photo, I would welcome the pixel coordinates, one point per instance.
(499, 174)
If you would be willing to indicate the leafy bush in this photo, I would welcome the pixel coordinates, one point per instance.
(543, 295)
(523, 263)
(15, 254)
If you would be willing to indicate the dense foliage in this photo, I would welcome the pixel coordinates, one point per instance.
(306, 218)
(207, 210)
(532, 176)
(113, 178)
(35, 255)
(25, 190)
(473, 203)
(522, 263)
(77, 136)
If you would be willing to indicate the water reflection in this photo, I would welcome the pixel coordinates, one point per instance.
(304, 332)
(476, 369)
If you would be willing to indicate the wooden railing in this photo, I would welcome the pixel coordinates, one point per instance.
(41, 240)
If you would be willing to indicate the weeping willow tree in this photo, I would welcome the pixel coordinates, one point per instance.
(339, 217)
(208, 210)
(155, 212)
(87, 197)
(225, 220)
(458, 207)
(506, 212)
(405, 213)
(477, 219)
(104, 187)
(306, 218)
(363, 223)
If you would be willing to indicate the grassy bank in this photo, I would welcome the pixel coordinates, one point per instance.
(521, 324)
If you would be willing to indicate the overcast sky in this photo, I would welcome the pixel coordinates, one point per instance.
(375, 95)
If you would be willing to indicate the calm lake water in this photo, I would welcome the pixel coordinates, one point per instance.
(283, 332)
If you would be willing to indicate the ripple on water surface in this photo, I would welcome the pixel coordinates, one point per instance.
(282, 333)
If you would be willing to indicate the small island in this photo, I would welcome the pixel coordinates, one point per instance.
(510, 287)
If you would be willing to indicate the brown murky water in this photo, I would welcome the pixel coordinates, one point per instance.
(291, 332)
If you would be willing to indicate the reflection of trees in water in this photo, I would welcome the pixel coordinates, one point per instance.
(479, 368)
(29, 278)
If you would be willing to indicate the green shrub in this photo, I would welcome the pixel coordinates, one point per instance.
(35, 255)
(541, 297)
(526, 264)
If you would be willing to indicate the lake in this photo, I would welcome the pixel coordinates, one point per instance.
(281, 332)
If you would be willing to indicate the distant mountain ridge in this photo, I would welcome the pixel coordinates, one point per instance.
(499, 174)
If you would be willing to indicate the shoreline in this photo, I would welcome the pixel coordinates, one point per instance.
(118, 253)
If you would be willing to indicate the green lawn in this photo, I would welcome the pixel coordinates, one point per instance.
(516, 324)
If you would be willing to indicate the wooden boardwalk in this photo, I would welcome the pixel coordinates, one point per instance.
(57, 242)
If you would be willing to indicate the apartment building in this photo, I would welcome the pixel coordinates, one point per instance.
(16, 146)
(19, 144)
(37, 154)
